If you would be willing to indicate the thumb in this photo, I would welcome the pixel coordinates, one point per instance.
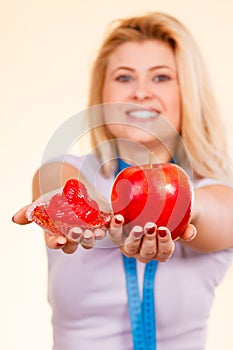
(190, 233)
(20, 217)
(115, 230)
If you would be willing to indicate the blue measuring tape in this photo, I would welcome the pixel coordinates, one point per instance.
(141, 312)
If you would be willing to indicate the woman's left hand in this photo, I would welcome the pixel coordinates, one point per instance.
(146, 243)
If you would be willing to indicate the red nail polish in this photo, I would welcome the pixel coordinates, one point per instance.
(60, 245)
(162, 232)
(118, 220)
(137, 231)
(13, 219)
(60, 242)
(150, 230)
(75, 235)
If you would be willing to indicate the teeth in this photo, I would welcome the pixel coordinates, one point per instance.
(143, 114)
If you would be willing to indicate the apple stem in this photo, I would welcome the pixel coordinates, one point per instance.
(150, 159)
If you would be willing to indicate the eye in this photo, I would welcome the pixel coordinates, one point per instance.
(161, 78)
(124, 78)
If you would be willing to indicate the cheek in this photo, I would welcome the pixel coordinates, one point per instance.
(108, 93)
(105, 95)
(174, 110)
(112, 93)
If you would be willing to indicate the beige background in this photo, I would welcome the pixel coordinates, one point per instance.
(47, 47)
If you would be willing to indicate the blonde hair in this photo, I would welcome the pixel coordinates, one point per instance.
(201, 128)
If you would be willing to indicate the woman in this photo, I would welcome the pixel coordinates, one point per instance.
(152, 93)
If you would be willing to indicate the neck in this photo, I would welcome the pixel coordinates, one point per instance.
(136, 153)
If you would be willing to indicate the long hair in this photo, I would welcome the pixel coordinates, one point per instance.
(202, 129)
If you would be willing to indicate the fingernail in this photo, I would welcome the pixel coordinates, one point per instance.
(13, 219)
(75, 233)
(118, 219)
(193, 235)
(162, 231)
(150, 228)
(137, 231)
(61, 241)
(98, 233)
(60, 245)
(88, 235)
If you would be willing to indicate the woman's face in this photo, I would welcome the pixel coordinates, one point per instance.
(142, 76)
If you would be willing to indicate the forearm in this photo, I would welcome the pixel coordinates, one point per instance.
(213, 218)
(52, 176)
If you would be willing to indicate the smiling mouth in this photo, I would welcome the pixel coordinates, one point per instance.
(143, 114)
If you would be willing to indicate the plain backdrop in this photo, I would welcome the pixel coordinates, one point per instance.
(47, 48)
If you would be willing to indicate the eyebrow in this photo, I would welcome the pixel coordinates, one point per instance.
(150, 69)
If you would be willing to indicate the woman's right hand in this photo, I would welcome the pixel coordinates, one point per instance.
(68, 244)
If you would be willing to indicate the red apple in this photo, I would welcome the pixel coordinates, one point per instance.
(159, 193)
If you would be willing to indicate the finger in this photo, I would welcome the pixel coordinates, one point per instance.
(116, 230)
(54, 242)
(99, 233)
(20, 217)
(149, 244)
(70, 247)
(166, 245)
(133, 241)
(190, 233)
(88, 239)
(75, 234)
(74, 237)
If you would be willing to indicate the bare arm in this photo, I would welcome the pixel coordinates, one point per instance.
(52, 176)
(213, 218)
(144, 243)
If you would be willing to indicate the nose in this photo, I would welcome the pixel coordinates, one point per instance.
(142, 91)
